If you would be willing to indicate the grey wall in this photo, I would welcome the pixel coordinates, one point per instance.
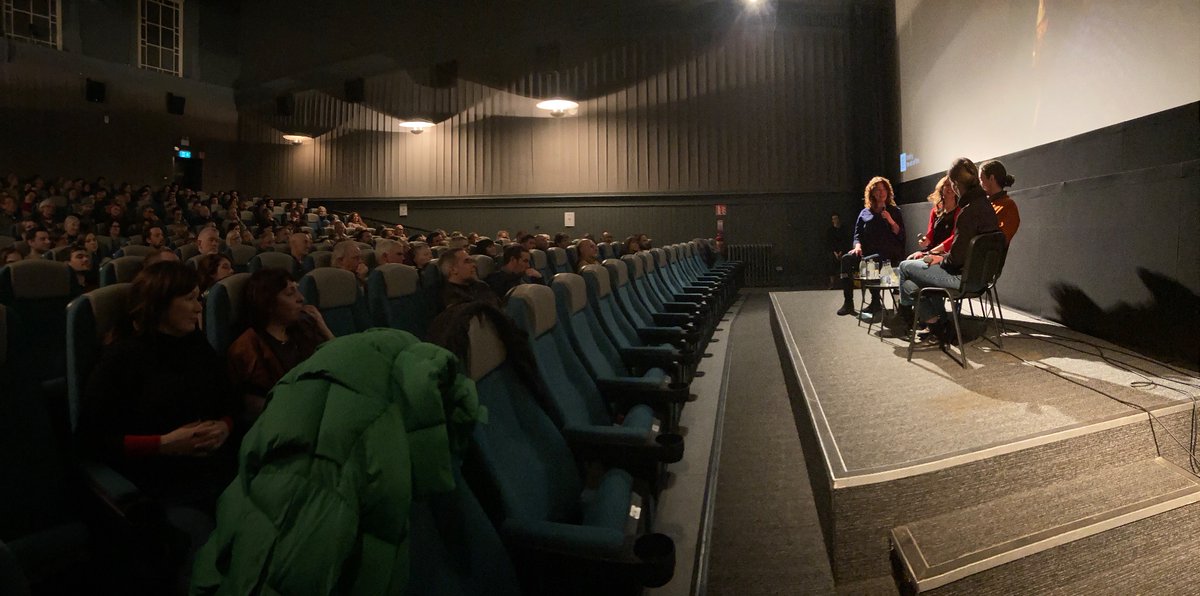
(49, 128)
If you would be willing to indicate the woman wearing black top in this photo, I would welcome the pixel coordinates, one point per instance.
(158, 407)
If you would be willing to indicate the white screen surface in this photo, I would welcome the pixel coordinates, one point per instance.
(983, 78)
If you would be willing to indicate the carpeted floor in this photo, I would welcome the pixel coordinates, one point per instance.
(766, 538)
(884, 412)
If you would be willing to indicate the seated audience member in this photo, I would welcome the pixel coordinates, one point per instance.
(266, 240)
(485, 246)
(645, 242)
(283, 331)
(562, 240)
(155, 236)
(542, 242)
(515, 271)
(347, 255)
(299, 246)
(461, 280)
(158, 407)
(975, 217)
(9, 255)
(363, 235)
(158, 256)
(208, 241)
(527, 241)
(8, 214)
(419, 255)
(355, 222)
(212, 269)
(389, 251)
(436, 238)
(879, 230)
(72, 229)
(234, 236)
(337, 231)
(399, 229)
(632, 245)
(45, 215)
(994, 178)
(38, 240)
(81, 267)
(606, 236)
(588, 254)
(502, 236)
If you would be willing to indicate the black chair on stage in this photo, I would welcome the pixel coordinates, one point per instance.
(985, 259)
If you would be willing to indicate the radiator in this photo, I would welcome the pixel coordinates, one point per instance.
(756, 259)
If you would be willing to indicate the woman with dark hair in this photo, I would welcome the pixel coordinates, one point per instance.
(975, 217)
(632, 245)
(283, 331)
(878, 232)
(994, 178)
(158, 407)
(212, 269)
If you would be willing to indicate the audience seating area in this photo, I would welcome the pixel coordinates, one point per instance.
(558, 491)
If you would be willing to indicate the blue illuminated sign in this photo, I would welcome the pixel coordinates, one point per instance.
(185, 154)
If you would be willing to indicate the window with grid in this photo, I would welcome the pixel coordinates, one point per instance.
(160, 39)
(35, 21)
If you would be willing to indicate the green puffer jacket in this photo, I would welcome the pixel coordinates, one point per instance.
(329, 471)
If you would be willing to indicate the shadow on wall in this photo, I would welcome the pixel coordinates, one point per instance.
(1167, 327)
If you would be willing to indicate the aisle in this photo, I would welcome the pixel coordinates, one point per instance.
(765, 538)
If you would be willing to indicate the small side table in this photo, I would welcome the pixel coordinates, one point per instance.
(867, 284)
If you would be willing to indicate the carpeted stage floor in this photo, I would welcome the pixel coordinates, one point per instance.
(882, 413)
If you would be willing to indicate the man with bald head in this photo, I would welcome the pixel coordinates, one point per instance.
(298, 246)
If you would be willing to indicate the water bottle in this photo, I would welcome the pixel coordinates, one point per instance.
(885, 274)
(862, 270)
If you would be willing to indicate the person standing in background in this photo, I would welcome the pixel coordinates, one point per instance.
(836, 242)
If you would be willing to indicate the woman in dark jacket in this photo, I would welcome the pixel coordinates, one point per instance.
(878, 231)
(158, 407)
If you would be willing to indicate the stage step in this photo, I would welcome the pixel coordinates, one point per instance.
(978, 549)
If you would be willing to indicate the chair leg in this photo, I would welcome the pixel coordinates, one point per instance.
(958, 333)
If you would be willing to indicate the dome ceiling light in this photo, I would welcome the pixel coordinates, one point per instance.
(558, 107)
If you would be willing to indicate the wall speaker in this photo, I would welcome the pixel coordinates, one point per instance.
(175, 104)
(95, 91)
(285, 105)
(356, 90)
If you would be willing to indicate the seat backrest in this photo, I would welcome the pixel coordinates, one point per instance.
(36, 293)
(335, 293)
(273, 260)
(574, 398)
(318, 259)
(136, 250)
(573, 255)
(484, 266)
(241, 254)
(624, 292)
(224, 311)
(6, 241)
(605, 251)
(120, 270)
(615, 324)
(90, 319)
(985, 259)
(369, 258)
(187, 251)
(558, 260)
(395, 299)
(539, 261)
(596, 351)
(438, 250)
(522, 454)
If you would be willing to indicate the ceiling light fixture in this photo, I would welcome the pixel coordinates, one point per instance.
(557, 107)
(296, 139)
(416, 126)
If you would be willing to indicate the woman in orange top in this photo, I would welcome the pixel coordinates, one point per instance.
(994, 178)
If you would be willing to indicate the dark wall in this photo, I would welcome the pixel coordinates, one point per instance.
(1110, 230)
(795, 224)
(50, 128)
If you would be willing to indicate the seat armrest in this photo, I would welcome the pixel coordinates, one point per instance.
(114, 490)
(623, 447)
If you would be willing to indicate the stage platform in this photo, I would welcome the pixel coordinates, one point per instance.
(893, 444)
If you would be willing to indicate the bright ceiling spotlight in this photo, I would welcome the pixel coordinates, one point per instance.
(416, 126)
(296, 139)
(557, 107)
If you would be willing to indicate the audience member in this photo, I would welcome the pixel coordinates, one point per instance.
(234, 236)
(347, 255)
(836, 243)
(81, 266)
(632, 245)
(283, 331)
(162, 254)
(9, 255)
(159, 396)
(994, 178)
(38, 240)
(389, 251)
(562, 240)
(155, 236)
(515, 271)
(208, 241)
(419, 255)
(212, 268)
(71, 229)
(606, 236)
(878, 233)
(588, 254)
(502, 236)
(461, 281)
(541, 242)
(299, 246)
